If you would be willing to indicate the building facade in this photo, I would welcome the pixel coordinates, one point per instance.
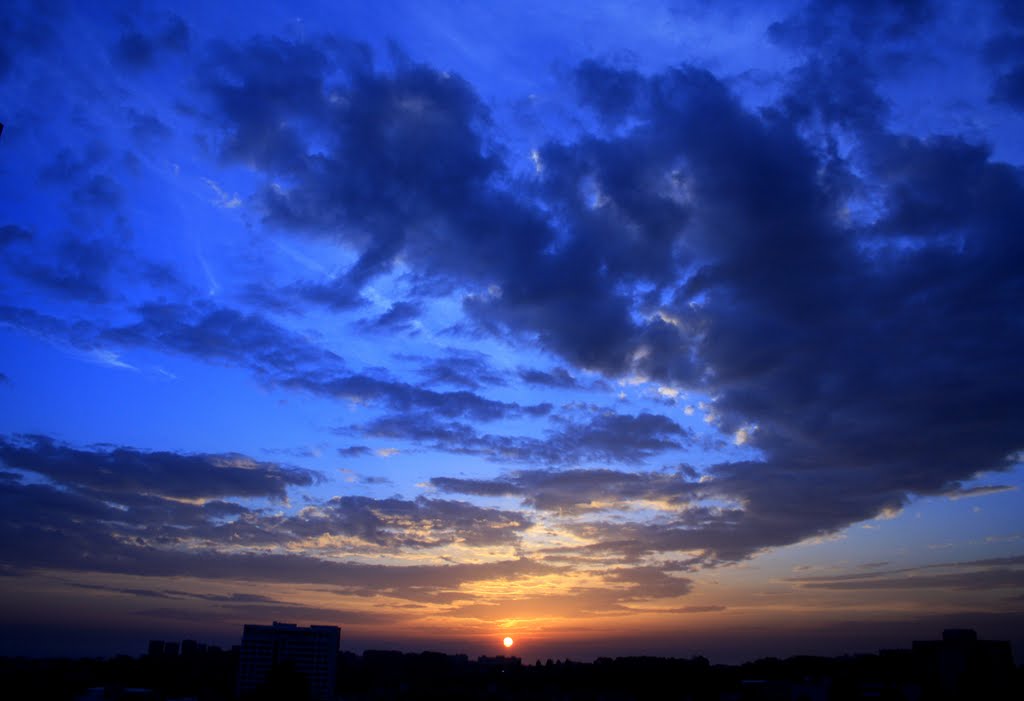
(311, 652)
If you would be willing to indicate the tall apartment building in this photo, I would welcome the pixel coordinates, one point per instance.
(312, 652)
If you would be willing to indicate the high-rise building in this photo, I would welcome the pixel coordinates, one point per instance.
(311, 652)
(961, 666)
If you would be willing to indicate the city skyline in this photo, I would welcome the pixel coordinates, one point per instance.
(670, 328)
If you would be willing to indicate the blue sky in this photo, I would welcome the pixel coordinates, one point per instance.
(614, 327)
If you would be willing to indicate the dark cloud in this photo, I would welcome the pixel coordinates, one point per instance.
(92, 261)
(404, 397)
(1012, 12)
(99, 192)
(477, 487)
(355, 451)
(138, 49)
(64, 529)
(229, 608)
(606, 437)
(979, 491)
(148, 128)
(611, 92)
(572, 491)
(222, 598)
(78, 269)
(837, 91)
(967, 566)
(276, 355)
(228, 615)
(828, 354)
(406, 148)
(400, 523)
(260, 91)
(622, 438)
(76, 334)
(306, 451)
(183, 476)
(399, 317)
(178, 594)
(649, 583)
(851, 312)
(827, 22)
(694, 609)
(940, 186)
(1003, 48)
(86, 174)
(1004, 52)
(1009, 87)
(561, 294)
(466, 369)
(718, 534)
(160, 276)
(144, 593)
(559, 377)
(12, 233)
(174, 34)
(127, 512)
(67, 167)
(354, 525)
(338, 295)
(535, 410)
(223, 334)
(134, 49)
(996, 578)
(27, 30)
(271, 299)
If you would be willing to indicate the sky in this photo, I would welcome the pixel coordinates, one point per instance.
(616, 328)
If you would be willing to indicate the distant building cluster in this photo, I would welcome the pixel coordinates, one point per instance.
(962, 663)
(285, 662)
(282, 648)
(188, 648)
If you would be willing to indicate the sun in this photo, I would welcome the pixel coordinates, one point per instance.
(507, 642)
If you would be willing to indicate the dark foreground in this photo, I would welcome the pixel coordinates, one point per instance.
(928, 671)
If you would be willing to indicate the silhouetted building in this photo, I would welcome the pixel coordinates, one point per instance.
(311, 652)
(960, 665)
(191, 648)
(159, 648)
(499, 661)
